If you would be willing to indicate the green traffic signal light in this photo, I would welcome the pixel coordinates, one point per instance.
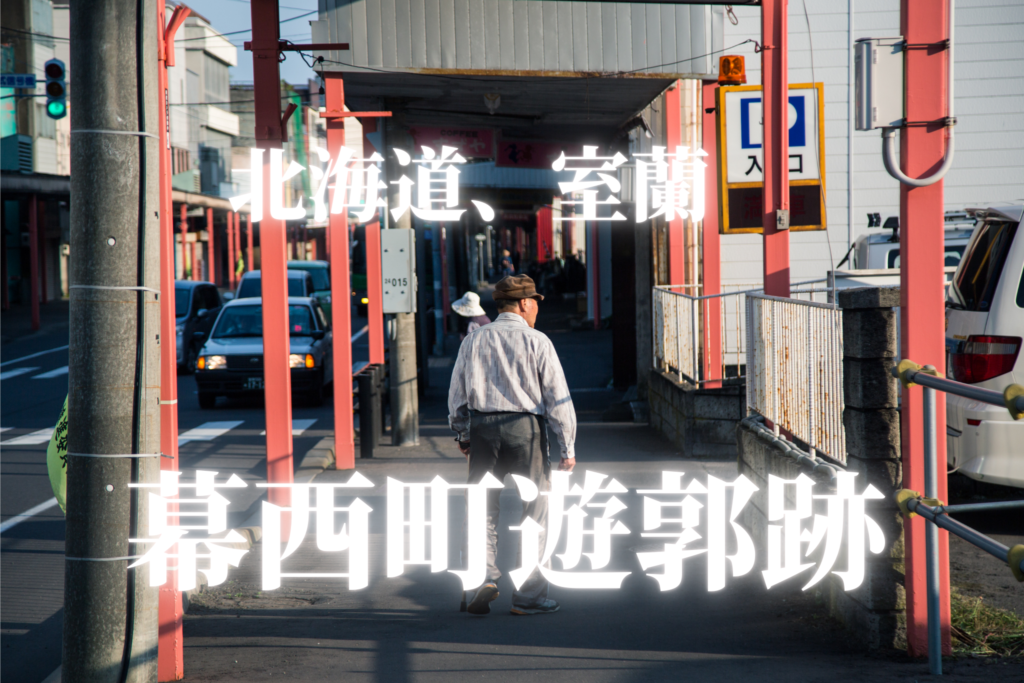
(56, 89)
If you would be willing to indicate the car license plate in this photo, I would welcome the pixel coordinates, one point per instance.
(254, 383)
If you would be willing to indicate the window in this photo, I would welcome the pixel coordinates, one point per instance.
(182, 297)
(215, 75)
(240, 321)
(1020, 290)
(983, 264)
(951, 257)
(211, 298)
(320, 317)
(300, 321)
(251, 287)
(321, 279)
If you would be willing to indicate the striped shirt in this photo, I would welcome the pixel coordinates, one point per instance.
(508, 366)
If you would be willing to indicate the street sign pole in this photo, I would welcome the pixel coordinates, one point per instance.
(775, 107)
(170, 656)
(711, 258)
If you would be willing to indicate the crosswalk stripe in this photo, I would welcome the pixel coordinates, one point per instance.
(208, 431)
(7, 374)
(53, 373)
(18, 519)
(298, 426)
(5, 429)
(41, 436)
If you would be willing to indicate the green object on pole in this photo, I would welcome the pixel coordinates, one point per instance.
(56, 458)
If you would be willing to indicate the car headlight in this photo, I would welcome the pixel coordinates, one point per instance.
(180, 328)
(326, 298)
(364, 300)
(211, 362)
(298, 360)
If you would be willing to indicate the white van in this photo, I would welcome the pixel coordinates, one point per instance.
(984, 332)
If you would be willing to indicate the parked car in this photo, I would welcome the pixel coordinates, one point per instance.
(300, 283)
(231, 361)
(984, 329)
(320, 271)
(196, 306)
(876, 251)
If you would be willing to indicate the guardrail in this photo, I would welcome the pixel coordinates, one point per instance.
(932, 509)
(682, 337)
(795, 369)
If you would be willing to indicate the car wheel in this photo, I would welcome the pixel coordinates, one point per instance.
(207, 401)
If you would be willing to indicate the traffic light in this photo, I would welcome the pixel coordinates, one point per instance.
(56, 89)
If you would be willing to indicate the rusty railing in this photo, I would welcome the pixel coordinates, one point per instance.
(795, 369)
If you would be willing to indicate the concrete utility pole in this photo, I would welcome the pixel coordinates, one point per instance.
(110, 612)
(405, 401)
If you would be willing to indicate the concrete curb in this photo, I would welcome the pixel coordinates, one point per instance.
(313, 463)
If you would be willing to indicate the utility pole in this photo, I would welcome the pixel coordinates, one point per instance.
(110, 612)
(405, 400)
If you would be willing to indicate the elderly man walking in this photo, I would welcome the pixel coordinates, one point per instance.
(507, 389)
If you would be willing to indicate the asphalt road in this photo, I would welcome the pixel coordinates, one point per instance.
(32, 551)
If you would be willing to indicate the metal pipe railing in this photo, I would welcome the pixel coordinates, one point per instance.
(933, 510)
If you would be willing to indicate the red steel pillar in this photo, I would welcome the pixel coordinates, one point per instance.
(248, 241)
(676, 236)
(170, 656)
(33, 257)
(341, 285)
(775, 112)
(230, 230)
(374, 293)
(211, 249)
(712, 259)
(277, 379)
(238, 246)
(922, 148)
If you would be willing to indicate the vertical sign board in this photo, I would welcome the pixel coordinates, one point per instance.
(741, 164)
(398, 270)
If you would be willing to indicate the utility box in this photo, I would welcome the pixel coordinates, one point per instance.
(878, 64)
(398, 267)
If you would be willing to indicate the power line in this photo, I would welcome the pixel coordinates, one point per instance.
(30, 33)
(247, 30)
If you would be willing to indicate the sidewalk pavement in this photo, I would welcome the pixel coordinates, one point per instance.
(16, 322)
(409, 628)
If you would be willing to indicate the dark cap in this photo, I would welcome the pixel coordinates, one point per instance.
(515, 287)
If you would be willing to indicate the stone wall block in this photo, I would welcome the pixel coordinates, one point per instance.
(727, 406)
(868, 384)
(869, 333)
(872, 434)
(869, 297)
(884, 475)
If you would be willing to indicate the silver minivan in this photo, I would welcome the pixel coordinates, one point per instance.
(984, 332)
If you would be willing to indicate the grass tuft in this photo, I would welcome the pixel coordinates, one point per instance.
(979, 629)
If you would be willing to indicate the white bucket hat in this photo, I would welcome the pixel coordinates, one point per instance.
(468, 306)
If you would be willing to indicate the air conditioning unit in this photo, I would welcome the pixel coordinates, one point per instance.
(16, 153)
(187, 181)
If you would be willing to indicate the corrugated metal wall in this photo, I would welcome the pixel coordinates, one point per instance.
(523, 36)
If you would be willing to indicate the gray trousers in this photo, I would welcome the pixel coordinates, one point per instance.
(512, 443)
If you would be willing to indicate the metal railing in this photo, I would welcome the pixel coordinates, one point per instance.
(932, 509)
(795, 369)
(682, 336)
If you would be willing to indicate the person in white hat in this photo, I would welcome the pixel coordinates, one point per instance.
(471, 313)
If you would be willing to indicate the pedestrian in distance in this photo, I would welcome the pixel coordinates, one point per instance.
(508, 269)
(471, 314)
(507, 388)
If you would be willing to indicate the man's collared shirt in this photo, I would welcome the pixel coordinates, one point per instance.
(508, 366)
